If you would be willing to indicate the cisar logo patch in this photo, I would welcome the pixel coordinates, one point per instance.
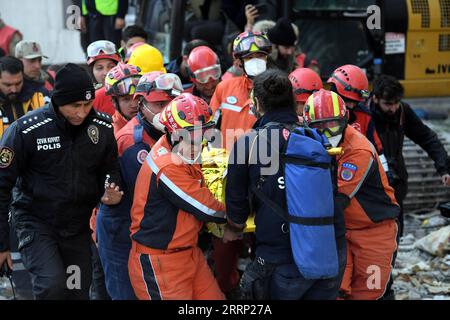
(6, 157)
(348, 171)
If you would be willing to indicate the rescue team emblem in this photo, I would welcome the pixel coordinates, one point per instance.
(232, 100)
(6, 157)
(141, 156)
(348, 171)
(93, 134)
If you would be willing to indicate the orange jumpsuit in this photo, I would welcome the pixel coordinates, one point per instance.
(171, 202)
(370, 218)
(231, 106)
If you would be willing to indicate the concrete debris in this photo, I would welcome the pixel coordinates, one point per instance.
(422, 269)
(436, 242)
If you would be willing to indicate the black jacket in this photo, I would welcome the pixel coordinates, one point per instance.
(272, 243)
(60, 170)
(392, 131)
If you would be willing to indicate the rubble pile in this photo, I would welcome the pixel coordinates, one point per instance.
(422, 270)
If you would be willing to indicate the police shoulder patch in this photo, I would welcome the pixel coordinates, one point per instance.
(29, 123)
(104, 117)
(6, 157)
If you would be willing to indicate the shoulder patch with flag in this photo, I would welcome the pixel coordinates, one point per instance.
(348, 171)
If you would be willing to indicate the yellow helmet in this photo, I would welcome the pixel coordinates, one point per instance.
(147, 58)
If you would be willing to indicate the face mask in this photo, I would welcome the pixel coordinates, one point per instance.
(334, 141)
(255, 66)
(156, 123)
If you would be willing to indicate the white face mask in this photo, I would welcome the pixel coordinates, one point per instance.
(255, 66)
(334, 141)
(156, 123)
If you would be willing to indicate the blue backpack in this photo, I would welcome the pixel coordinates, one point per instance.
(306, 168)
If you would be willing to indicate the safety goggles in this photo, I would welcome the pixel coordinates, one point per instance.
(125, 86)
(101, 47)
(203, 75)
(245, 45)
(332, 126)
(362, 93)
(168, 82)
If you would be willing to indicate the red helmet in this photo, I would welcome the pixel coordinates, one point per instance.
(204, 64)
(122, 80)
(158, 86)
(187, 112)
(325, 110)
(304, 83)
(351, 82)
(102, 49)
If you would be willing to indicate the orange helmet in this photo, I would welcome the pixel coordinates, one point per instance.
(351, 82)
(187, 112)
(203, 65)
(325, 110)
(304, 83)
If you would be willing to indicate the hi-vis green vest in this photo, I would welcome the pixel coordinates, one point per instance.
(104, 7)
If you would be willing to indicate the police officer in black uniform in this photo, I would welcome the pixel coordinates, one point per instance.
(61, 159)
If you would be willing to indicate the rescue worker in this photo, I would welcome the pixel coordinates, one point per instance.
(30, 53)
(102, 57)
(273, 274)
(9, 37)
(351, 83)
(394, 119)
(204, 68)
(16, 97)
(147, 58)
(233, 116)
(106, 19)
(230, 102)
(179, 65)
(60, 156)
(153, 92)
(170, 204)
(304, 83)
(369, 205)
(120, 84)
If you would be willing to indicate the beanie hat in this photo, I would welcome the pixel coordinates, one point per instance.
(72, 84)
(282, 33)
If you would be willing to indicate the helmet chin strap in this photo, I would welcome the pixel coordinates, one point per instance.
(117, 106)
(187, 160)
